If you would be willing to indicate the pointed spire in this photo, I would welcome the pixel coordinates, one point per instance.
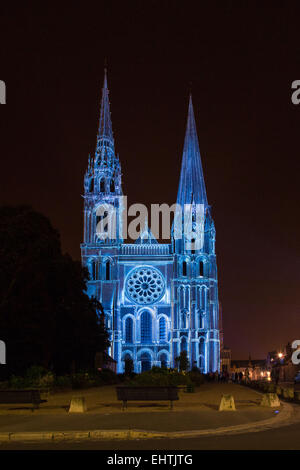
(105, 139)
(191, 185)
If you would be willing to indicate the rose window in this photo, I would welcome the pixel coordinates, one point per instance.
(145, 285)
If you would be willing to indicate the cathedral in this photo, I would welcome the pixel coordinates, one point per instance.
(159, 299)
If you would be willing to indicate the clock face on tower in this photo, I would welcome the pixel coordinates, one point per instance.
(145, 285)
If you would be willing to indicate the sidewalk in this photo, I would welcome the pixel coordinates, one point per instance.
(193, 411)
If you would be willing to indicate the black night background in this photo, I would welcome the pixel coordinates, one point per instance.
(239, 59)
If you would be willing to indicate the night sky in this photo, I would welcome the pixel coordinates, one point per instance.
(240, 61)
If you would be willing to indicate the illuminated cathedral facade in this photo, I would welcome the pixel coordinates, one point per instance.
(159, 299)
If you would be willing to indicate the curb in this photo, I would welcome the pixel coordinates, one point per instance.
(130, 434)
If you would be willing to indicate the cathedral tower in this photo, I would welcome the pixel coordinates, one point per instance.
(102, 220)
(195, 283)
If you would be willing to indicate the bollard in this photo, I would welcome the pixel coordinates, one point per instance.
(227, 403)
(78, 405)
(288, 393)
(271, 400)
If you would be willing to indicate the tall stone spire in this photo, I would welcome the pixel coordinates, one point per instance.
(191, 184)
(105, 148)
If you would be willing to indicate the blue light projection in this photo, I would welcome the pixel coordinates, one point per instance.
(159, 298)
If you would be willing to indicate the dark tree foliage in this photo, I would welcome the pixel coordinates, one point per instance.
(182, 361)
(45, 316)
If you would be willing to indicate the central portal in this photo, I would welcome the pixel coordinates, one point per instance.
(145, 362)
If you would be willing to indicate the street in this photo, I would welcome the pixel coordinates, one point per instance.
(284, 438)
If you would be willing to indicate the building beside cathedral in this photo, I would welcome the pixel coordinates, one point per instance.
(159, 298)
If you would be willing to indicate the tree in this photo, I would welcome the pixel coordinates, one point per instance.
(182, 361)
(46, 317)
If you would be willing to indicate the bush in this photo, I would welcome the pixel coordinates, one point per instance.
(160, 377)
(47, 380)
(182, 361)
(81, 380)
(196, 377)
(19, 382)
(108, 376)
(63, 382)
(35, 373)
(93, 378)
(35, 377)
(38, 377)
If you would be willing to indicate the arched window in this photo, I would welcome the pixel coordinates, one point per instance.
(112, 186)
(92, 185)
(129, 330)
(202, 346)
(183, 344)
(162, 330)
(201, 268)
(102, 185)
(183, 319)
(107, 271)
(146, 327)
(203, 298)
(184, 268)
(94, 270)
(104, 221)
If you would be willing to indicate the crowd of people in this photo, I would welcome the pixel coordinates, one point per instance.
(226, 377)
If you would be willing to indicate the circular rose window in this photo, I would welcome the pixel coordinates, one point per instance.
(145, 285)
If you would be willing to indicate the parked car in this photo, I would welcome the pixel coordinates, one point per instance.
(297, 378)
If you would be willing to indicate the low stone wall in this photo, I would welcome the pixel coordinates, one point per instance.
(284, 392)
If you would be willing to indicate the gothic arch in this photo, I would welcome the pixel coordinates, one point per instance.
(200, 317)
(112, 187)
(100, 217)
(146, 327)
(102, 185)
(91, 186)
(184, 343)
(183, 318)
(201, 266)
(143, 309)
(107, 264)
(163, 328)
(131, 317)
(164, 357)
(93, 267)
(202, 345)
(184, 266)
(143, 351)
(125, 353)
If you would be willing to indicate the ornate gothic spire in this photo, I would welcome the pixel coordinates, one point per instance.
(191, 185)
(105, 149)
